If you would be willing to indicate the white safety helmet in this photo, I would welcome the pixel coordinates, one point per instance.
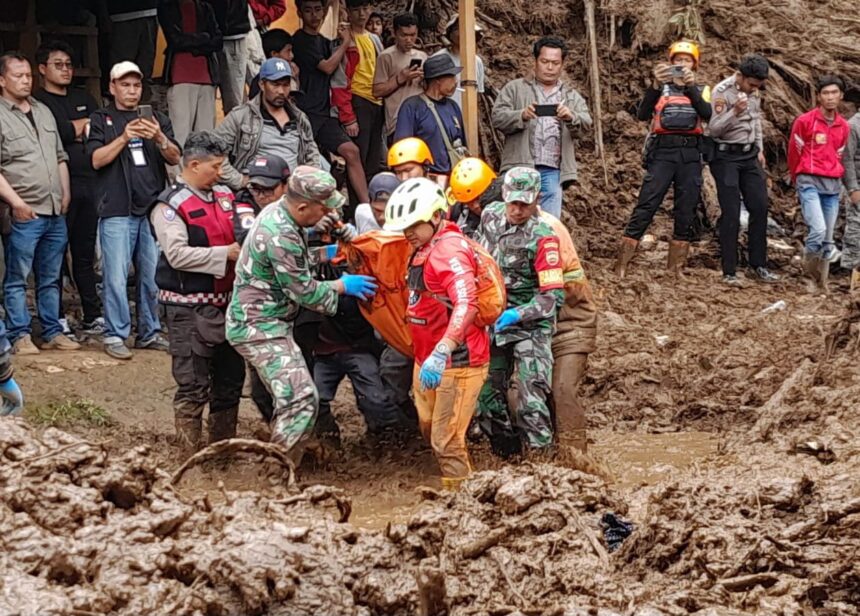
(415, 200)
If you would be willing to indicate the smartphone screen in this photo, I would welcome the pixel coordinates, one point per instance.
(415, 63)
(144, 112)
(546, 110)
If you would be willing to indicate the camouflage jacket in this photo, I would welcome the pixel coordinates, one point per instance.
(274, 279)
(530, 260)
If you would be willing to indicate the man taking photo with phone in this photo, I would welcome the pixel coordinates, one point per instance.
(130, 146)
(398, 71)
(534, 135)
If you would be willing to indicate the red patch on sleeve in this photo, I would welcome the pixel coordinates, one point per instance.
(548, 264)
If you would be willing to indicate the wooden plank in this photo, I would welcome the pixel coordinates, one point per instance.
(468, 52)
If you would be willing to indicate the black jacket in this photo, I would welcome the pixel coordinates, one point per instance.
(207, 41)
(232, 16)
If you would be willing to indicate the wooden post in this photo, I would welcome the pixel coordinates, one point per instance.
(468, 52)
(595, 87)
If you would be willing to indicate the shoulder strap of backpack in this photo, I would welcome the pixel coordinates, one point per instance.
(432, 107)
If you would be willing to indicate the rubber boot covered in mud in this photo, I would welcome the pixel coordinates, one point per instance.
(189, 429)
(222, 424)
(678, 251)
(812, 268)
(626, 252)
(823, 275)
(569, 412)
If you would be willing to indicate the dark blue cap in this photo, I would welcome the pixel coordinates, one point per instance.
(274, 69)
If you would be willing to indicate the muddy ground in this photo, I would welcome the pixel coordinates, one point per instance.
(725, 434)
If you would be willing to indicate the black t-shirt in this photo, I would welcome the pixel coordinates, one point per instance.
(75, 105)
(124, 186)
(309, 50)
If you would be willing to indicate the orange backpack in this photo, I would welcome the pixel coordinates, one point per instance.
(490, 283)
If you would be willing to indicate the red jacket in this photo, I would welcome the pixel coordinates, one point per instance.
(443, 300)
(267, 11)
(815, 147)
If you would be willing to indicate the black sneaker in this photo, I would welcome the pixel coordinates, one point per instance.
(762, 274)
(732, 280)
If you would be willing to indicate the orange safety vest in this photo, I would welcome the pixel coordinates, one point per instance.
(674, 114)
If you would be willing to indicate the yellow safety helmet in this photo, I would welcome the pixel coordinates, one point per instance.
(409, 150)
(470, 178)
(415, 200)
(687, 47)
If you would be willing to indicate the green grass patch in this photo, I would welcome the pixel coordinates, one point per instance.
(77, 412)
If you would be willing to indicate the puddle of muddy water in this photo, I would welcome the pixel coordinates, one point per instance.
(638, 459)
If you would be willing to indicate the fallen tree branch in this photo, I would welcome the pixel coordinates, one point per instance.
(482, 544)
(742, 583)
(55, 452)
(796, 531)
(234, 446)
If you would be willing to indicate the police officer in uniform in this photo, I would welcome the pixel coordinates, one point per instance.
(193, 223)
(677, 109)
(738, 166)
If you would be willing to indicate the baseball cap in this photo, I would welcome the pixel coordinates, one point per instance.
(274, 69)
(316, 185)
(382, 183)
(439, 66)
(121, 69)
(521, 184)
(268, 171)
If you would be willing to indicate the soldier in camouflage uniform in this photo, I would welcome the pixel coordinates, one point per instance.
(273, 280)
(513, 402)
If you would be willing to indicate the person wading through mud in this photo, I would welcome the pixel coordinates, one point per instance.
(677, 109)
(273, 281)
(815, 147)
(193, 223)
(451, 351)
(514, 401)
(738, 166)
(472, 183)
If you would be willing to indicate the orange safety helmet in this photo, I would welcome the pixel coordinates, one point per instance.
(409, 150)
(687, 47)
(470, 178)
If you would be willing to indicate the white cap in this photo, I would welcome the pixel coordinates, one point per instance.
(121, 69)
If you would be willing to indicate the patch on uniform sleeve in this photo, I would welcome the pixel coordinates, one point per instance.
(548, 264)
(169, 214)
(246, 221)
(719, 105)
(551, 279)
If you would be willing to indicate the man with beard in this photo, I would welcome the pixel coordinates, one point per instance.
(267, 125)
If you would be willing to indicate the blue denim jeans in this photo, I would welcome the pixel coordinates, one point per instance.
(125, 239)
(371, 397)
(820, 213)
(34, 246)
(550, 190)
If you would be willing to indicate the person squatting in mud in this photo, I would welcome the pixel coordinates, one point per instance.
(193, 223)
(273, 281)
(514, 400)
(677, 109)
(474, 185)
(451, 350)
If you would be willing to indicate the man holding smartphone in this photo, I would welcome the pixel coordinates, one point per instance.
(130, 147)
(534, 135)
(398, 71)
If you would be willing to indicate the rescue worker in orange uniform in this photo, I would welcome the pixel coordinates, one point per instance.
(677, 109)
(452, 353)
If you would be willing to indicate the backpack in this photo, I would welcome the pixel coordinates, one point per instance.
(490, 283)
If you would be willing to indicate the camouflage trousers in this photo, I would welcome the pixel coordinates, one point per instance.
(281, 367)
(851, 237)
(513, 404)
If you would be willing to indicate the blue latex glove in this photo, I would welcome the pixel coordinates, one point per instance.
(506, 319)
(12, 398)
(358, 285)
(430, 375)
(330, 251)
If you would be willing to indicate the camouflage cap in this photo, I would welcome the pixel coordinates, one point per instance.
(316, 185)
(521, 184)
